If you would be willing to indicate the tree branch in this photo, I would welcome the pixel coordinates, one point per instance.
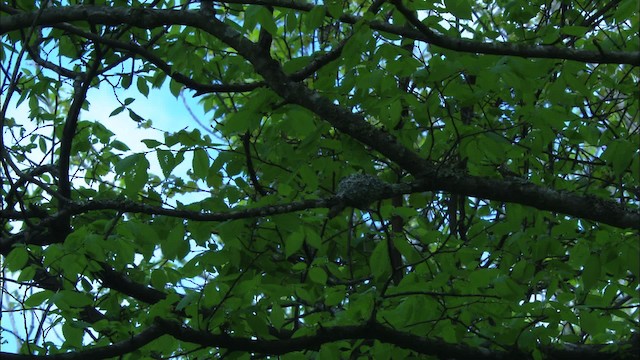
(375, 331)
(148, 18)
(470, 46)
(512, 190)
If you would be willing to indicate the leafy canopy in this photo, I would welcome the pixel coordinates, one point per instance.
(375, 179)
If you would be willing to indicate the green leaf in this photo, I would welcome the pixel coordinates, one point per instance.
(318, 275)
(257, 325)
(309, 178)
(175, 88)
(167, 161)
(459, 8)
(27, 274)
(277, 316)
(313, 238)
(17, 258)
(241, 121)
(38, 298)
(117, 111)
(300, 122)
(592, 271)
(134, 116)
(619, 154)
(134, 170)
(175, 246)
(125, 81)
(142, 86)
(265, 19)
(127, 163)
(334, 7)
(335, 296)
(86, 285)
(251, 17)
(151, 143)
(379, 262)
(293, 65)
(201, 232)
(574, 30)
(591, 323)
(315, 17)
(42, 144)
(200, 163)
(73, 334)
(527, 341)
(507, 288)
(158, 279)
(352, 51)
(211, 295)
(293, 243)
(119, 145)
(72, 299)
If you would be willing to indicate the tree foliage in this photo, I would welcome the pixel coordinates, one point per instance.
(375, 179)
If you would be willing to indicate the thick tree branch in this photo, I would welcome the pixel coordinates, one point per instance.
(22, 183)
(471, 46)
(373, 331)
(419, 344)
(521, 50)
(81, 85)
(430, 176)
(43, 237)
(148, 18)
(316, 63)
(121, 283)
(200, 88)
(515, 191)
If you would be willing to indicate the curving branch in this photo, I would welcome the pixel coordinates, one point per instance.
(512, 190)
(469, 46)
(53, 16)
(43, 237)
(81, 86)
(147, 54)
(431, 176)
(200, 88)
(368, 330)
(375, 331)
(123, 284)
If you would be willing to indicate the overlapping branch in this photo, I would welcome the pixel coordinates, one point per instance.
(429, 176)
(466, 45)
(512, 190)
(57, 15)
